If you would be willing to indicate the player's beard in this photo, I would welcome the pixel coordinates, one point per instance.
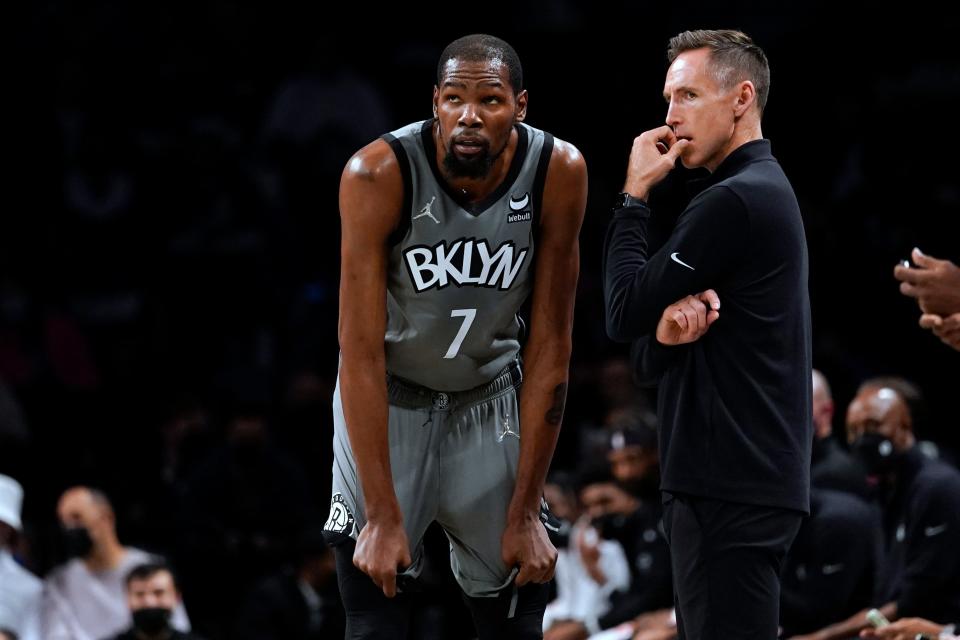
(478, 166)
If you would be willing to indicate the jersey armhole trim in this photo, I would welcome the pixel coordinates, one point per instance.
(539, 180)
(400, 232)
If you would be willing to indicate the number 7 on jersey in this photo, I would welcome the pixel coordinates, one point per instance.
(468, 315)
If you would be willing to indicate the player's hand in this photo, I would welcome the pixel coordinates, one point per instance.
(934, 283)
(947, 329)
(904, 629)
(382, 550)
(688, 319)
(525, 545)
(652, 157)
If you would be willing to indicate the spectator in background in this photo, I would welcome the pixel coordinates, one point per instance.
(152, 596)
(592, 441)
(920, 500)
(19, 589)
(634, 459)
(936, 286)
(302, 603)
(620, 516)
(589, 570)
(635, 464)
(831, 466)
(831, 569)
(239, 511)
(916, 406)
(84, 598)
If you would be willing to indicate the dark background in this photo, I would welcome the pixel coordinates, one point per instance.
(169, 245)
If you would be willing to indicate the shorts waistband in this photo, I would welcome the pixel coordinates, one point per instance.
(404, 393)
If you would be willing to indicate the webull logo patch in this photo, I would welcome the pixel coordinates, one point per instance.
(519, 209)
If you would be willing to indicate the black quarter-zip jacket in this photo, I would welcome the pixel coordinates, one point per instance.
(734, 406)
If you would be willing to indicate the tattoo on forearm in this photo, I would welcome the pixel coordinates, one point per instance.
(555, 414)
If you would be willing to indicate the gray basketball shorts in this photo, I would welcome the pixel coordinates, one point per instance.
(453, 456)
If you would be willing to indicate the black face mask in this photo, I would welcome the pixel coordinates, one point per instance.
(876, 453)
(77, 542)
(151, 621)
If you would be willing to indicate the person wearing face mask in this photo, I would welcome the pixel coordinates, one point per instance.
(152, 596)
(634, 461)
(920, 503)
(84, 598)
(635, 465)
(831, 467)
(618, 503)
(19, 589)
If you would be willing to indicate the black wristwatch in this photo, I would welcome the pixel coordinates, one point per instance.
(625, 200)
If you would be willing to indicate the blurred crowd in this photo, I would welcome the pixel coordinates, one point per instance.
(238, 550)
(168, 330)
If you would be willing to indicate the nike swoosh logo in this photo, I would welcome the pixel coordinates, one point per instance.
(932, 531)
(830, 569)
(673, 256)
(521, 204)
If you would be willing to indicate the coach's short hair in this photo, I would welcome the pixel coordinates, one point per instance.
(733, 58)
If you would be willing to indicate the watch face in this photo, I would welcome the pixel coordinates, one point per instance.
(621, 200)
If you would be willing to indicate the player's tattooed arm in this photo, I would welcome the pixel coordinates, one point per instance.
(546, 361)
(555, 415)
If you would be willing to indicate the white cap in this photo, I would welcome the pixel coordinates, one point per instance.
(11, 499)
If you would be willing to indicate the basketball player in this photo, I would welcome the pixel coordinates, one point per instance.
(447, 224)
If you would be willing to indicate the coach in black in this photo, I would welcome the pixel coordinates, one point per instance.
(734, 398)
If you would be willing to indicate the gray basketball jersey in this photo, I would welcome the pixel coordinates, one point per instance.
(458, 274)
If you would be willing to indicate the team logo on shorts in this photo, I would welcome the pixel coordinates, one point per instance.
(340, 519)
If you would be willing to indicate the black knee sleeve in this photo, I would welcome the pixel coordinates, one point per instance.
(515, 614)
(370, 614)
